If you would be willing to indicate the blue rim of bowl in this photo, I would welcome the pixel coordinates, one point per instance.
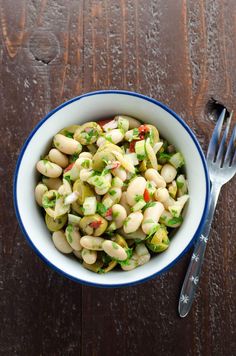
(206, 205)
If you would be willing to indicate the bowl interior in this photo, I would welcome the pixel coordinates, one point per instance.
(93, 107)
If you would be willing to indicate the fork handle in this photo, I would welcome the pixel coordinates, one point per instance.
(194, 269)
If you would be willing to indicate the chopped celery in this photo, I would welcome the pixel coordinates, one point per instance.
(90, 206)
(177, 160)
(132, 158)
(73, 219)
(123, 124)
(139, 205)
(177, 207)
(181, 185)
(140, 149)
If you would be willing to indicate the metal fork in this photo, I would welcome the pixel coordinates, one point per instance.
(221, 162)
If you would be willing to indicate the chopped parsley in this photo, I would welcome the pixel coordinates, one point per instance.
(101, 271)
(67, 177)
(115, 215)
(164, 155)
(86, 163)
(153, 231)
(135, 132)
(149, 205)
(126, 221)
(69, 231)
(151, 136)
(74, 157)
(108, 138)
(125, 262)
(179, 184)
(69, 134)
(129, 252)
(115, 246)
(138, 198)
(49, 203)
(175, 220)
(101, 208)
(149, 185)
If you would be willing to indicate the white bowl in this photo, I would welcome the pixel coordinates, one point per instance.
(93, 106)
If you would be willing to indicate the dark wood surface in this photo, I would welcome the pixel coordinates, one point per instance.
(178, 51)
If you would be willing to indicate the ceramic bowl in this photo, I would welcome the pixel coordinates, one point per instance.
(93, 106)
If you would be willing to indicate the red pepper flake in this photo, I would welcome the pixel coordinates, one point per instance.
(146, 196)
(132, 146)
(108, 212)
(95, 224)
(68, 168)
(104, 122)
(143, 129)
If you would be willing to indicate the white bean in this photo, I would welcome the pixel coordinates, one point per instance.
(119, 215)
(52, 183)
(65, 188)
(168, 172)
(115, 135)
(117, 182)
(92, 243)
(133, 263)
(83, 162)
(59, 240)
(132, 222)
(129, 135)
(86, 155)
(73, 237)
(168, 202)
(108, 177)
(49, 169)
(142, 254)
(58, 157)
(114, 250)
(107, 201)
(85, 174)
(78, 254)
(151, 217)
(119, 172)
(89, 256)
(39, 191)
(144, 259)
(66, 144)
(153, 175)
(113, 196)
(100, 141)
(135, 189)
(123, 202)
(133, 123)
(101, 191)
(161, 194)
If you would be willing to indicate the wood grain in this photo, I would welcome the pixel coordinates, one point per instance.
(179, 52)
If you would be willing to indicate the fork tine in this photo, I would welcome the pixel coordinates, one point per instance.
(212, 148)
(221, 150)
(231, 148)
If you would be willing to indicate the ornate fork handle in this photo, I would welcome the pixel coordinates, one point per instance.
(193, 273)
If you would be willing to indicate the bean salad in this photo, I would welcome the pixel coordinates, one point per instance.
(112, 192)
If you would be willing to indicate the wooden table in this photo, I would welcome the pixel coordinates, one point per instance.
(178, 51)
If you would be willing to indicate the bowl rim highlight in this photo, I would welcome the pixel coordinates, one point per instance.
(200, 152)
